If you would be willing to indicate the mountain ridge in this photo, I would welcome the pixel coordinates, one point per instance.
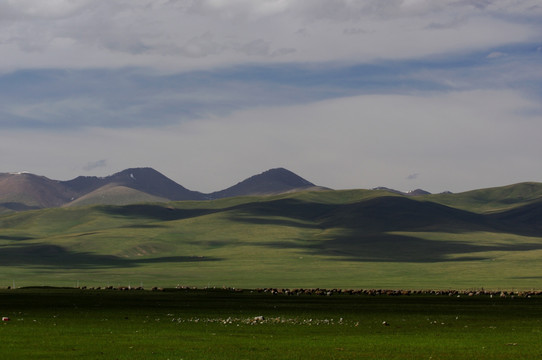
(270, 182)
(144, 179)
(26, 191)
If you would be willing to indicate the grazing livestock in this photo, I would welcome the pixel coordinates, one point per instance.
(369, 292)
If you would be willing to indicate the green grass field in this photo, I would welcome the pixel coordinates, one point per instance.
(221, 324)
(347, 239)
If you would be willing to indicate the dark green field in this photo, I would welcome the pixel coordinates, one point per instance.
(221, 324)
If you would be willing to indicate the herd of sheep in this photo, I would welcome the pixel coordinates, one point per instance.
(330, 292)
(375, 292)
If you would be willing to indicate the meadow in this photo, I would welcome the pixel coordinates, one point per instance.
(52, 323)
(488, 239)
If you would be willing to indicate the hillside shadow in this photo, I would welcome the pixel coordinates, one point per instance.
(385, 214)
(154, 212)
(15, 238)
(143, 226)
(174, 259)
(215, 244)
(527, 219)
(395, 248)
(284, 208)
(400, 248)
(42, 255)
(365, 229)
(379, 214)
(15, 206)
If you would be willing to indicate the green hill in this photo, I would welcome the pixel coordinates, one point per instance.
(355, 239)
(115, 195)
(492, 199)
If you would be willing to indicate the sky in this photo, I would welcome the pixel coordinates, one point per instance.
(440, 95)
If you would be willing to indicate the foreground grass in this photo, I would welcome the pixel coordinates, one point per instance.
(219, 324)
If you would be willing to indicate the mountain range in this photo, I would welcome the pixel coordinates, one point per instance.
(26, 191)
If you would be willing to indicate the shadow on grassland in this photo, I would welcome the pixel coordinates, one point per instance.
(15, 238)
(382, 214)
(400, 248)
(363, 229)
(43, 255)
(395, 248)
(154, 212)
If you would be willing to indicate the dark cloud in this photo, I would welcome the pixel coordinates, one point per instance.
(139, 97)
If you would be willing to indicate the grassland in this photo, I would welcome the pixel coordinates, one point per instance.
(219, 324)
(348, 239)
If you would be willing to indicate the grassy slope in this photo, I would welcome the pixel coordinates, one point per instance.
(115, 195)
(354, 239)
(492, 199)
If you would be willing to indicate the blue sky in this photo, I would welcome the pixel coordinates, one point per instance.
(347, 93)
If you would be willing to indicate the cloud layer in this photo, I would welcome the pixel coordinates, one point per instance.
(187, 34)
(443, 95)
(458, 141)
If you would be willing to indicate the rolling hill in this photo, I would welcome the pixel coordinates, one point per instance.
(272, 229)
(492, 199)
(353, 238)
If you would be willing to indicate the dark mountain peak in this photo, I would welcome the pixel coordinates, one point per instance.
(273, 181)
(284, 176)
(87, 182)
(152, 182)
(134, 173)
(143, 179)
(83, 184)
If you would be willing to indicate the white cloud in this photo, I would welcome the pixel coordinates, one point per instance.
(459, 141)
(187, 34)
